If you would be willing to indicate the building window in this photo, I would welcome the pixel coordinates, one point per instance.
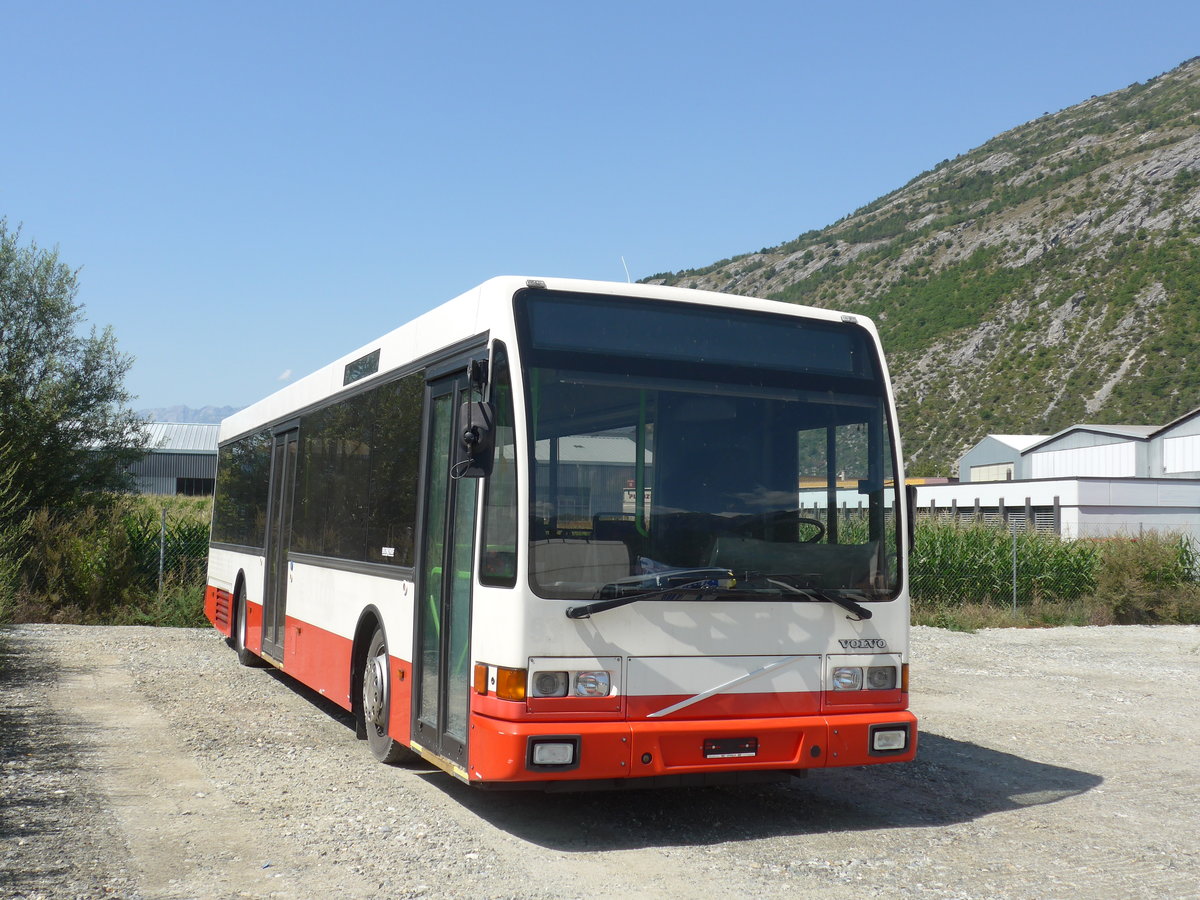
(195, 487)
(995, 472)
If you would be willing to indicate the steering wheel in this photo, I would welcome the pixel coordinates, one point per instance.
(762, 524)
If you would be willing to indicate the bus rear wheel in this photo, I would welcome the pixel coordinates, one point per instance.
(376, 697)
(245, 656)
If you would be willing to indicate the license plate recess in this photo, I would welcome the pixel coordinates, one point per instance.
(730, 748)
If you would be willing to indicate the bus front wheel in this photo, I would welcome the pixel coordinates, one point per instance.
(376, 699)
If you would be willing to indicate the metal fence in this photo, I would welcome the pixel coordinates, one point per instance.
(146, 550)
(116, 551)
(1007, 563)
(182, 549)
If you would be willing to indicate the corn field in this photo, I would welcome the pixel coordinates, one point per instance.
(143, 561)
(952, 563)
(1145, 579)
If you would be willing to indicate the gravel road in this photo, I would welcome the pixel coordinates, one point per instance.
(145, 763)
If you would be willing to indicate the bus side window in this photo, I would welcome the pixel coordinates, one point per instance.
(498, 562)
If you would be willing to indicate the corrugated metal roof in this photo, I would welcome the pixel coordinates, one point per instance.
(1119, 430)
(182, 437)
(1018, 441)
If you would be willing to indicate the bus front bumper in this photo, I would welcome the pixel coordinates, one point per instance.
(502, 751)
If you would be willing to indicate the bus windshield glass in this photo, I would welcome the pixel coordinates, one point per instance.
(753, 449)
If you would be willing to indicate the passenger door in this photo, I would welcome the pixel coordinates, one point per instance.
(443, 626)
(279, 538)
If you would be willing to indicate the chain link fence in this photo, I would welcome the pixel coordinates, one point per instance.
(1001, 563)
(113, 564)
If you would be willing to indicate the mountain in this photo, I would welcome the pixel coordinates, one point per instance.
(209, 415)
(1047, 278)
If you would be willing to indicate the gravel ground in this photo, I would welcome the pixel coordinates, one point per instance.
(145, 763)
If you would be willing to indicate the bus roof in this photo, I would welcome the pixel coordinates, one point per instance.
(475, 312)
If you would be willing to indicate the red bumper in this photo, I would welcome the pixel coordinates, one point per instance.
(501, 750)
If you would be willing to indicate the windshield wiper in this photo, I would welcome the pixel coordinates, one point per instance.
(838, 598)
(683, 581)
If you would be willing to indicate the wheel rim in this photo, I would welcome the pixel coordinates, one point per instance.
(375, 693)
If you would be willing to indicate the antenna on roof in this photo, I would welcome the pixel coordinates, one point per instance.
(627, 278)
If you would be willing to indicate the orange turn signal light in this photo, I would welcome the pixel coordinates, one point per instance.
(510, 683)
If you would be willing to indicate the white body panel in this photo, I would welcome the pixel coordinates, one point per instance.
(224, 566)
(333, 600)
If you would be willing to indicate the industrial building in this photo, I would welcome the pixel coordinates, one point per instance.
(1084, 481)
(182, 460)
(1087, 451)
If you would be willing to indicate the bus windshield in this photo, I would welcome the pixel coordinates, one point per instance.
(754, 449)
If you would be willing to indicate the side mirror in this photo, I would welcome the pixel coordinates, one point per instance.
(476, 431)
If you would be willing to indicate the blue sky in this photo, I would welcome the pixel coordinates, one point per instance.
(254, 188)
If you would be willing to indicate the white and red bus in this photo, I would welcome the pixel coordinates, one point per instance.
(561, 533)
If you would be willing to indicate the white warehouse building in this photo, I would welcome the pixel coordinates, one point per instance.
(1089, 451)
(1085, 481)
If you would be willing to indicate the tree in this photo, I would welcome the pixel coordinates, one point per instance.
(66, 429)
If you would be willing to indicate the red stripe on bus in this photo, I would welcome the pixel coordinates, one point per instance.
(720, 706)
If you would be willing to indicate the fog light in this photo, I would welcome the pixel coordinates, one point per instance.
(549, 684)
(881, 678)
(592, 684)
(553, 753)
(847, 678)
(892, 739)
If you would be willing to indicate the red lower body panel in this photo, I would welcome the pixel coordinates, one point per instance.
(218, 609)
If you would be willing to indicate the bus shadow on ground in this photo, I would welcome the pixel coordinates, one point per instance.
(950, 782)
(321, 702)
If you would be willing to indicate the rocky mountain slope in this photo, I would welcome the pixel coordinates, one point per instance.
(1046, 278)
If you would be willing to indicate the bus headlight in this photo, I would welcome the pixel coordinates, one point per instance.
(571, 678)
(549, 684)
(592, 684)
(847, 678)
(881, 678)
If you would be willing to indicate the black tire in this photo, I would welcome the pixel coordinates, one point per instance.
(375, 695)
(245, 657)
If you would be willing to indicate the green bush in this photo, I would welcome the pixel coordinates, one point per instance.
(101, 565)
(1149, 579)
